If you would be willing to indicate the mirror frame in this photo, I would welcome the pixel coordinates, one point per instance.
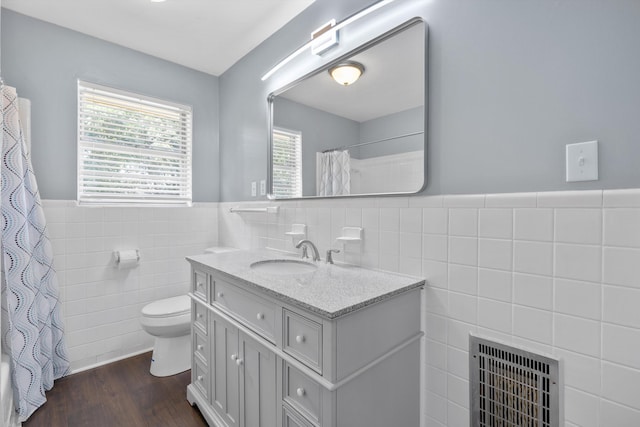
(374, 41)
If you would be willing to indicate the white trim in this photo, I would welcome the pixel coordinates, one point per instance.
(106, 362)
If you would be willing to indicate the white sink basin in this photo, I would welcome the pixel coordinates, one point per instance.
(283, 267)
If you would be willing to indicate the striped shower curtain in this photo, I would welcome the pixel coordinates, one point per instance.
(32, 331)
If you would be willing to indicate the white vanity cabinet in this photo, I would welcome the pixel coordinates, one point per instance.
(261, 360)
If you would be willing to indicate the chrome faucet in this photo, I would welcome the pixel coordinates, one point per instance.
(329, 259)
(314, 250)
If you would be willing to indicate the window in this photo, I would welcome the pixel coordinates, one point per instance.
(132, 149)
(287, 163)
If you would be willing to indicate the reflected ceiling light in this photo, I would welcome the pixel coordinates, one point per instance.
(346, 73)
(334, 29)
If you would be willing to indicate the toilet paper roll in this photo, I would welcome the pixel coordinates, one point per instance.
(127, 259)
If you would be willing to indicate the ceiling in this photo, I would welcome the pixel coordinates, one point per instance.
(206, 35)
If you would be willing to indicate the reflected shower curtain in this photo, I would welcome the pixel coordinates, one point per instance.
(32, 331)
(334, 173)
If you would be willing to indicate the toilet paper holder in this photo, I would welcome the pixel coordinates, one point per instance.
(125, 255)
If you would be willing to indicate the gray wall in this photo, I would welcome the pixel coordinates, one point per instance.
(510, 83)
(44, 62)
(392, 126)
(320, 131)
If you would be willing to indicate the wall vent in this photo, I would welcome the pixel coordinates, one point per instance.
(511, 387)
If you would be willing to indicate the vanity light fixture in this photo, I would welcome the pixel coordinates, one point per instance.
(333, 29)
(346, 73)
(324, 38)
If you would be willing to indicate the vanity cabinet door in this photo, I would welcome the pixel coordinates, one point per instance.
(257, 384)
(243, 383)
(225, 396)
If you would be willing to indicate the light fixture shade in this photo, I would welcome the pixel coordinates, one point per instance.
(346, 73)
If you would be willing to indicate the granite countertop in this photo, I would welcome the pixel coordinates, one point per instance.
(331, 291)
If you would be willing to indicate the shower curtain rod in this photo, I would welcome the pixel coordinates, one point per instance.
(372, 142)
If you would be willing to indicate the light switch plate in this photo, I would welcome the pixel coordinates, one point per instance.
(253, 188)
(263, 187)
(582, 161)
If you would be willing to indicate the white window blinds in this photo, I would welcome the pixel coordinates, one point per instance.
(132, 149)
(287, 163)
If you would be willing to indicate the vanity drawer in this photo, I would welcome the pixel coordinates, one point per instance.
(302, 393)
(200, 317)
(303, 339)
(200, 378)
(200, 346)
(257, 313)
(291, 419)
(200, 285)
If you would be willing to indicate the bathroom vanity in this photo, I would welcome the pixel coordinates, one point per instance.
(326, 346)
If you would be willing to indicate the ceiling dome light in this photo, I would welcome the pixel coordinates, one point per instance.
(346, 73)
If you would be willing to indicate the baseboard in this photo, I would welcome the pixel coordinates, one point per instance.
(106, 362)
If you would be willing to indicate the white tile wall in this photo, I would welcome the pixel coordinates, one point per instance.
(582, 408)
(100, 303)
(556, 272)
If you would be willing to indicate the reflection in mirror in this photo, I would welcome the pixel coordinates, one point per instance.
(363, 137)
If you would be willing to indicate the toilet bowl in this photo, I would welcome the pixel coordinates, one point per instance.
(169, 321)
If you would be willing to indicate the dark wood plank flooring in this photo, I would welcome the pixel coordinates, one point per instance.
(121, 394)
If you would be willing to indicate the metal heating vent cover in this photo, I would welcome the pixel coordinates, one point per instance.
(511, 387)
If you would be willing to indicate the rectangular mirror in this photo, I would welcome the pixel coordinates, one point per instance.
(329, 139)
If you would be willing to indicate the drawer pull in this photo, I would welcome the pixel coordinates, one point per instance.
(220, 294)
(260, 316)
(234, 357)
(200, 378)
(239, 362)
(200, 347)
(300, 392)
(300, 339)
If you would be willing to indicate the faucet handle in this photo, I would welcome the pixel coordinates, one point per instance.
(305, 254)
(330, 255)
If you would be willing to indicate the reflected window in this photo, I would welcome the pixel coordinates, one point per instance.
(287, 163)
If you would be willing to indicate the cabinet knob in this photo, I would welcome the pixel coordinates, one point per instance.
(300, 392)
(200, 347)
(199, 315)
(220, 294)
(200, 378)
(239, 362)
(300, 339)
(234, 357)
(200, 284)
(260, 316)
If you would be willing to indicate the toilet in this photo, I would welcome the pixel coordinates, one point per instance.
(169, 321)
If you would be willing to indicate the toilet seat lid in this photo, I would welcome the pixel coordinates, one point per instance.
(168, 307)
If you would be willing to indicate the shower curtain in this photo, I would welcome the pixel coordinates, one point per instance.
(334, 173)
(32, 330)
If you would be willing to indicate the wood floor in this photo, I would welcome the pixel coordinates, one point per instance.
(121, 394)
